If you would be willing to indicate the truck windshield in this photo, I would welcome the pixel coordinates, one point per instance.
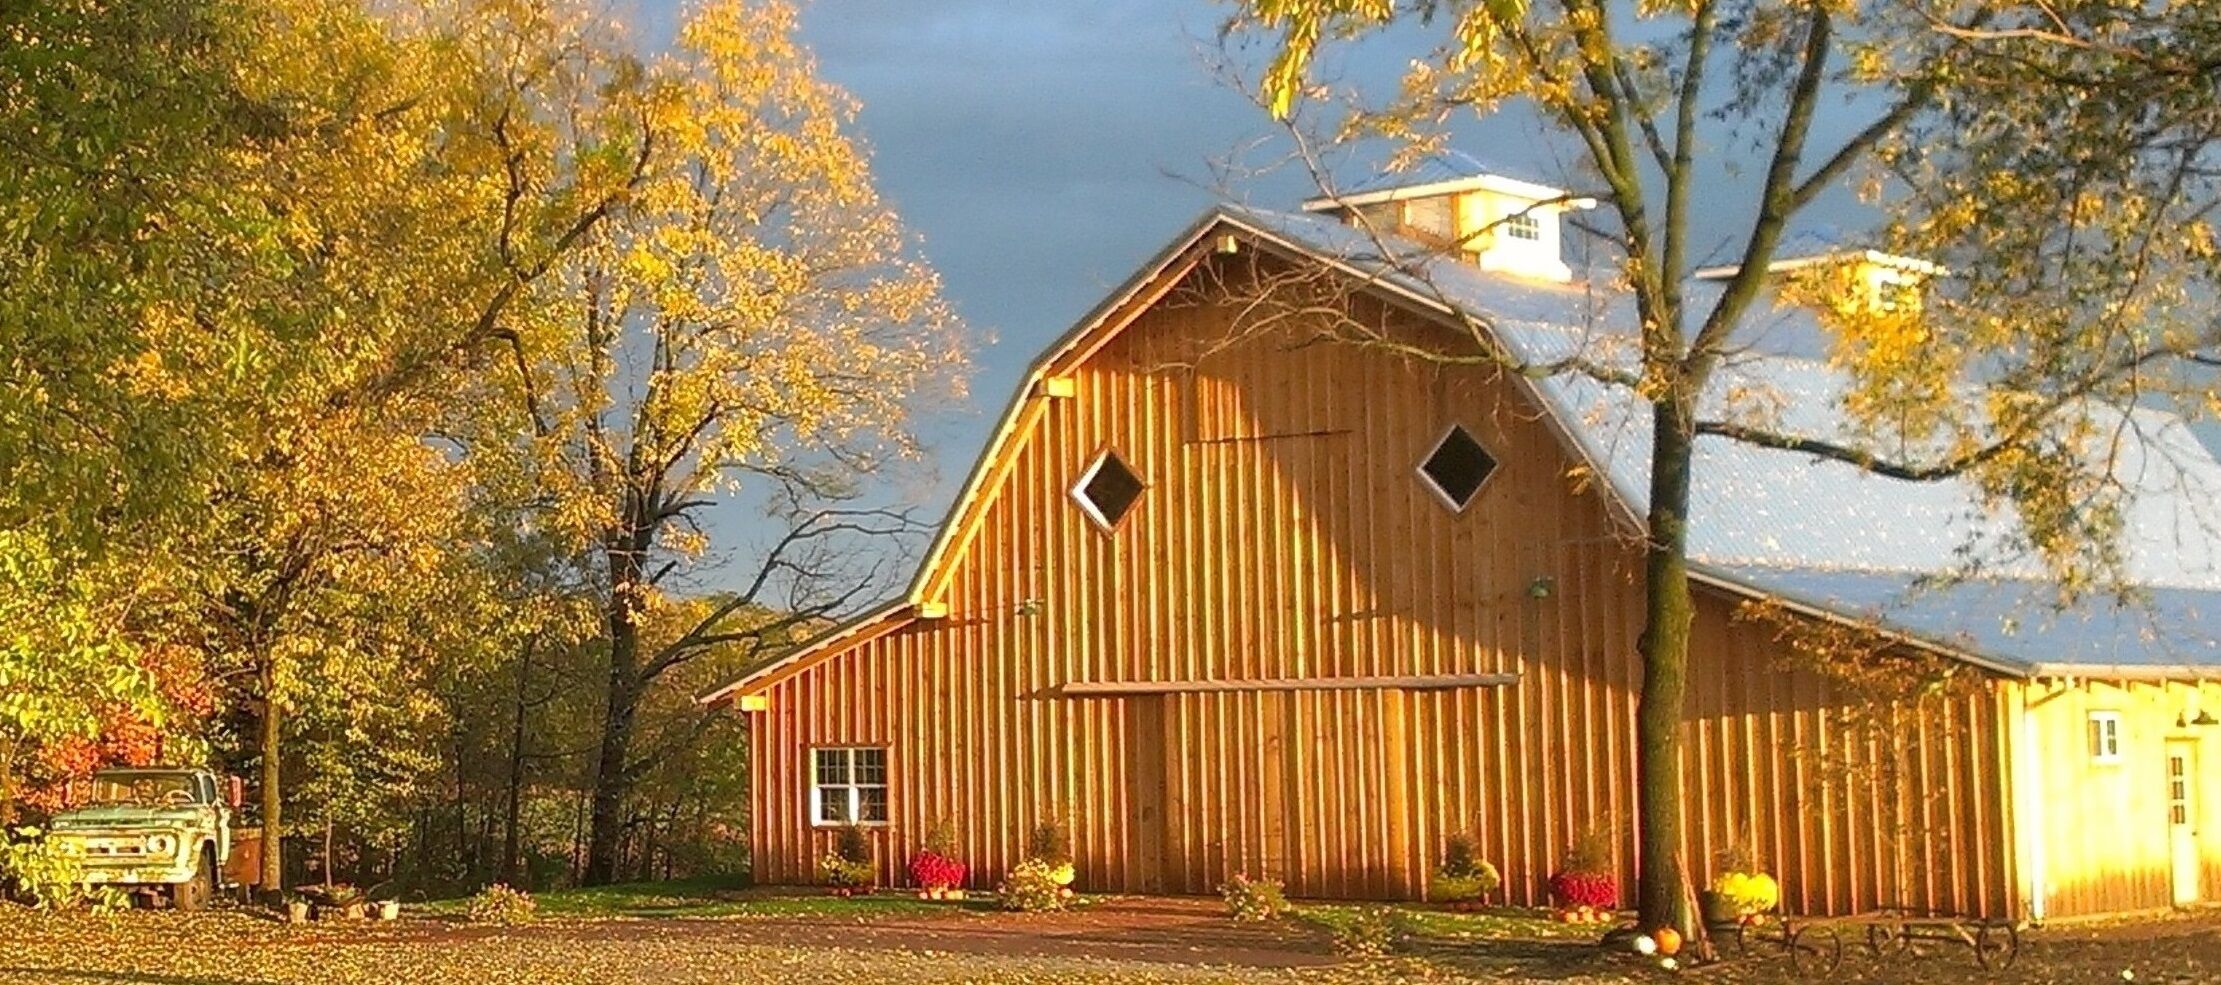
(152, 789)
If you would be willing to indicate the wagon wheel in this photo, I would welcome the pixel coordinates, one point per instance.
(1886, 940)
(1814, 949)
(1996, 945)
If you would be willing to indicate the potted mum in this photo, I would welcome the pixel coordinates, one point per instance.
(1464, 878)
(1741, 893)
(935, 869)
(1584, 887)
(1052, 846)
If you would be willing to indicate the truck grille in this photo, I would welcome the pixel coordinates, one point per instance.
(115, 847)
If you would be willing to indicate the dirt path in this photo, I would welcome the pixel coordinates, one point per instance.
(1129, 942)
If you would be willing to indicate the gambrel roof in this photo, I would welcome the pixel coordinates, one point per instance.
(1921, 560)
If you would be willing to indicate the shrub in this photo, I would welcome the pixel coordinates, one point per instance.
(1254, 899)
(1370, 933)
(1031, 887)
(852, 844)
(844, 873)
(848, 865)
(941, 838)
(1738, 855)
(1051, 841)
(1591, 851)
(37, 870)
(502, 906)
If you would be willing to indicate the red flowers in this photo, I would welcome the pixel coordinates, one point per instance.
(1591, 889)
(932, 870)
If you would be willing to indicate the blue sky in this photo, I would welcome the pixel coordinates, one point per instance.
(1043, 150)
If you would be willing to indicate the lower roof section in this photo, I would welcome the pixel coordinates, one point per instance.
(2017, 625)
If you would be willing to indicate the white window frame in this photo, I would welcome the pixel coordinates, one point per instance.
(851, 791)
(1078, 491)
(1442, 495)
(1523, 226)
(2105, 737)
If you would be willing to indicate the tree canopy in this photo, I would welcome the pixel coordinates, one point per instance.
(2054, 163)
(368, 370)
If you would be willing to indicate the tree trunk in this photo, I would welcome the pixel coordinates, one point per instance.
(273, 799)
(612, 777)
(512, 809)
(1664, 646)
(7, 784)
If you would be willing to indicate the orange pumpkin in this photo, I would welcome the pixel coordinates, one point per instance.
(1669, 941)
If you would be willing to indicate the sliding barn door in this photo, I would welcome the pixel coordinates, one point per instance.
(1308, 787)
(1146, 745)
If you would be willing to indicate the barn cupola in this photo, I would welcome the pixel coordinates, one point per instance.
(1817, 270)
(1497, 223)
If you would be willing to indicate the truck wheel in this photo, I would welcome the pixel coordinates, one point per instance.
(194, 893)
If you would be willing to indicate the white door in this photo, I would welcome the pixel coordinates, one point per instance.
(2182, 821)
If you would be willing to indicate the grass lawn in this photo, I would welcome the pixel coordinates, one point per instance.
(717, 898)
(653, 934)
(1435, 924)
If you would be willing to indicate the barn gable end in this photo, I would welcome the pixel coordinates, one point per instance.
(1357, 627)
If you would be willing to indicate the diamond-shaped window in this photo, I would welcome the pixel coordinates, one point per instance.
(1108, 490)
(1457, 468)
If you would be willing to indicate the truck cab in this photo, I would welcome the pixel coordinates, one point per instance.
(153, 829)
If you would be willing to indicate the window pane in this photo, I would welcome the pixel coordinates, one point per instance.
(1111, 489)
(871, 804)
(832, 766)
(832, 804)
(1458, 466)
(871, 766)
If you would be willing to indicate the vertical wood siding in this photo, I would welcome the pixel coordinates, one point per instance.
(2101, 829)
(1285, 533)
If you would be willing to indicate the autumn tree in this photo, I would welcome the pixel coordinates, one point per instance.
(117, 118)
(751, 319)
(2058, 159)
(249, 295)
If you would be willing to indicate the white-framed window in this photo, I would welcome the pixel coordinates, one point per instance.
(848, 786)
(2105, 737)
(1108, 490)
(1523, 225)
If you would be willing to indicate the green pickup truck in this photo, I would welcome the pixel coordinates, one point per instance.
(157, 830)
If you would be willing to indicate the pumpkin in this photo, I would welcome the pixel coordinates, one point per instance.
(1669, 941)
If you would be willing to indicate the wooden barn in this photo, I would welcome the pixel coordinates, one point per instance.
(1233, 597)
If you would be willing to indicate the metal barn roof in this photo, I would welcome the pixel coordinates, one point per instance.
(1925, 558)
